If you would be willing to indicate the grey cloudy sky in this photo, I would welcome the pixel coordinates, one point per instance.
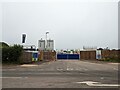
(72, 24)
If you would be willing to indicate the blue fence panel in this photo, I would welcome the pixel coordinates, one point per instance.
(61, 56)
(68, 56)
(73, 56)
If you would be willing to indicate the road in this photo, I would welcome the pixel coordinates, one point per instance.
(61, 74)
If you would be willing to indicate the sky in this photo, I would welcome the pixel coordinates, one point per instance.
(72, 24)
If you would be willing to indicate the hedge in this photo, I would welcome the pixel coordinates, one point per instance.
(11, 54)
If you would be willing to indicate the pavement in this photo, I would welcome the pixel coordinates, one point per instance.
(61, 74)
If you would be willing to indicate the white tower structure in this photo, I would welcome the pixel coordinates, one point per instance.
(41, 44)
(50, 44)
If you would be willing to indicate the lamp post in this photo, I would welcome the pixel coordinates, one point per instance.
(46, 39)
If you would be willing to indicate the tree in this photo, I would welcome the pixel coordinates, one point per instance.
(100, 49)
(11, 54)
(3, 45)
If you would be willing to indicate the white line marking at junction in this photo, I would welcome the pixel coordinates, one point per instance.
(102, 78)
(67, 68)
(91, 83)
(87, 82)
(13, 77)
(115, 69)
(99, 84)
(70, 69)
(26, 65)
(114, 63)
(8, 69)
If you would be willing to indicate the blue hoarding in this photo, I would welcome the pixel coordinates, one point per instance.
(68, 56)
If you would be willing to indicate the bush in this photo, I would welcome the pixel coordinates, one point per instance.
(11, 54)
(3, 44)
(111, 60)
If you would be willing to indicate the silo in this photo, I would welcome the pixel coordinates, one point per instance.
(50, 44)
(41, 44)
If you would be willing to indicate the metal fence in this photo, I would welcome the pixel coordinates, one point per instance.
(68, 56)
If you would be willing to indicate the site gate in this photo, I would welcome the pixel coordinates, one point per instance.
(68, 56)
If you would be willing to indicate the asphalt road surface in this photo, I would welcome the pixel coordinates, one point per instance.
(61, 74)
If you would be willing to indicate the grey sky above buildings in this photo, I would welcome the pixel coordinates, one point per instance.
(72, 24)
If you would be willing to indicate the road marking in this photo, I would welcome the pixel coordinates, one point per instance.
(87, 82)
(115, 68)
(102, 78)
(114, 63)
(26, 65)
(8, 69)
(105, 85)
(91, 83)
(14, 77)
(67, 68)
(70, 69)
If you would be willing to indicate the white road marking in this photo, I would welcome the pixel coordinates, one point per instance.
(14, 77)
(91, 83)
(115, 68)
(8, 69)
(87, 82)
(102, 78)
(105, 85)
(114, 63)
(70, 69)
(28, 65)
(67, 68)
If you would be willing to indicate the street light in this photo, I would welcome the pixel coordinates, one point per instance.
(46, 39)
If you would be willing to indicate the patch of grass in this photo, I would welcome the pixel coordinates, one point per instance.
(111, 60)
